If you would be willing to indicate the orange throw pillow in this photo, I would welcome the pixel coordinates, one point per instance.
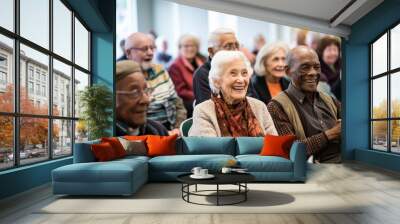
(277, 145)
(161, 145)
(103, 152)
(116, 145)
(135, 137)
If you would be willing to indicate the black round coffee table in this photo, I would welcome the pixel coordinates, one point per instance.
(238, 179)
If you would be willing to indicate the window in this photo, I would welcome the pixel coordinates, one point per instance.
(3, 72)
(46, 74)
(3, 78)
(44, 91)
(7, 14)
(385, 95)
(38, 89)
(30, 72)
(30, 87)
(37, 74)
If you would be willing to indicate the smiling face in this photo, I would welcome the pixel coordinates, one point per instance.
(306, 69)
(188, 48)
(131, 104)
(141, 49)
(234, 81)
(275, 64)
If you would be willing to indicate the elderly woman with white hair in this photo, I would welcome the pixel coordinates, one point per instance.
(229, 112)
(270, 72)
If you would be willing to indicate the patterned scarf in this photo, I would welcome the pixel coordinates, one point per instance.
(236, 120)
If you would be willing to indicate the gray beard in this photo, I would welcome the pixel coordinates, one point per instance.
(146, 65)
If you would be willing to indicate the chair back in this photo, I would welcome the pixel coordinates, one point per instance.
(185, 127)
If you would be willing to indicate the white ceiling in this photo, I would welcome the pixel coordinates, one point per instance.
(316, 15)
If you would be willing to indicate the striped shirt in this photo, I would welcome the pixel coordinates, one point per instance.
(162, 106)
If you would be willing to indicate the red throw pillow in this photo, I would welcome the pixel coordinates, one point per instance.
(136, 137)
(161, 145)
(116, 145)
(277, 145)
(103, 152)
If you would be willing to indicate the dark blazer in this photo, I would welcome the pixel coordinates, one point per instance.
(259, 89)
(201, 85)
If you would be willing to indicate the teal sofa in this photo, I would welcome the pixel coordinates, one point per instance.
(125, 176)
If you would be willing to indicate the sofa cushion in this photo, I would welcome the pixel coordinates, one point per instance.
(277, 145)
(116, 145)
(133, 147)
(161, 145)
(103, 152)
(249, 145)
(185, 163)
(112, 171)
(257, 163)
(83, 152)
(206, 145)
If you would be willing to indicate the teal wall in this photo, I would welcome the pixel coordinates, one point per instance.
(356, 85)
(24, 178)
(99, 16)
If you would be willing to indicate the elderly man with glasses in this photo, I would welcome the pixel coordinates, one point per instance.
(219, 39)
(165, 107)
(302, 110)
(133, 99)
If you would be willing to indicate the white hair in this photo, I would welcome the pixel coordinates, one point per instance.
(265, 52)
(213, 38)
(218, 62)
(189, 37)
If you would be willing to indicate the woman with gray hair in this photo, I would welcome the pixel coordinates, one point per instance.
(270, 72)
(229, 112)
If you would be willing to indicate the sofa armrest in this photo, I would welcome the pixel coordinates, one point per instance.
(299, 159)
(83, 152)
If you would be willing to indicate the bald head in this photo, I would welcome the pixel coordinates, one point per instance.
(296, 52)
(140, 47)
(304, 68)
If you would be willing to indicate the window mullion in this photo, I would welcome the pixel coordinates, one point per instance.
(50, 81)
(389, 106)
(73, 82)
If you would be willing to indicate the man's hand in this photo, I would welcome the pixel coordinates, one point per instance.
(334, 133)
(174, 131)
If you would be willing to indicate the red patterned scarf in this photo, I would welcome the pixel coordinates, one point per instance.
(236, 120)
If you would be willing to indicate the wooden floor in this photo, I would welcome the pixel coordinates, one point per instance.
(377, 188)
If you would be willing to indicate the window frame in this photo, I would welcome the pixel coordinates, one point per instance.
(388, 74)
(51, 118)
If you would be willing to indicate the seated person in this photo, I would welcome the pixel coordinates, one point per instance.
(183, 67)
(166, 106)
(302, 110)
(229, 112)
(219, 39)
(269, 78)
(133, 99)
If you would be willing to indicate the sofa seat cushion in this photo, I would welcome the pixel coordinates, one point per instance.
(112, 171)
(201, 145)
(133, 157)
(257, 163)
(185, 163)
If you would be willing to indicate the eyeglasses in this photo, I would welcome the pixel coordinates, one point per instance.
(231, 46)
(143, 49)
(136, 94)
